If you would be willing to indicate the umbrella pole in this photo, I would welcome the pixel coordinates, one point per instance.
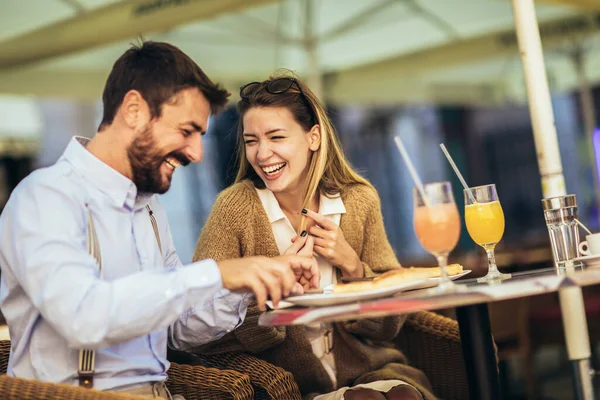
(553, 183)
(538, 93)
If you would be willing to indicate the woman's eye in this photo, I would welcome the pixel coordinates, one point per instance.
(187, 132)
(248, 142)
(277, 137)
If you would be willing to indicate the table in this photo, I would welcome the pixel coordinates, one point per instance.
(471, 311)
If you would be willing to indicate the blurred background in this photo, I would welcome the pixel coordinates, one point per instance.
(429, 71)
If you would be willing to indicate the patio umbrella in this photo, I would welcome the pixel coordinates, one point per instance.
(65, 48)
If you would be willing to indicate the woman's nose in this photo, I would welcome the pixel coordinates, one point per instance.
(264, 151)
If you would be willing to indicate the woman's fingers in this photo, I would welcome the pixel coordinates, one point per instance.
(296, 245)
(320, 219)
(307, 250)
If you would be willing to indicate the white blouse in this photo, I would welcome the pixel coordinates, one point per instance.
(319, 335)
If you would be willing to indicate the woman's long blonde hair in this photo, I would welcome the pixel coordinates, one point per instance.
(329, 170)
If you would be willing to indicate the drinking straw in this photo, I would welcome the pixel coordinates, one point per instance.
(460, 177)
(411, 169)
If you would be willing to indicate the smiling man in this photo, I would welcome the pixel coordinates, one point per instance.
(92, 288)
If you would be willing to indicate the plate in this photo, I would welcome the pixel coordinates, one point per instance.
(282, 304)
(330, 299)
(432, 282)
(589, 261)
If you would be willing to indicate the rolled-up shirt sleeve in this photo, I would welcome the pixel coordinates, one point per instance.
(44, 246)
(209, 321)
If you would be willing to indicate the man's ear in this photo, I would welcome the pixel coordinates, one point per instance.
(314, 138)
(134, 110)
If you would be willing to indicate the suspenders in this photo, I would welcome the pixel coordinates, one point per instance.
(87, 357)
(155, 227)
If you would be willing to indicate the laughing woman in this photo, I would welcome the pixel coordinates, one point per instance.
(296, 193)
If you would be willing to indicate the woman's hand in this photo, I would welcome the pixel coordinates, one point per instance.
(329, 242)
(303, 246)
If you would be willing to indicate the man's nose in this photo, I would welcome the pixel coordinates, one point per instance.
(194, 150)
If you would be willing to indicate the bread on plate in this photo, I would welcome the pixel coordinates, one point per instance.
(396, 277)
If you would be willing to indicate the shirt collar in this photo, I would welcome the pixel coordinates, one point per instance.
(327, 206)
(331, 205)
(120, 189)
(270, 204)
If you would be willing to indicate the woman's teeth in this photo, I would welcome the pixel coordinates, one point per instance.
(273, 169)
(173, 163)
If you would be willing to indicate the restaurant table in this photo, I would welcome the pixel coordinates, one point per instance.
(471, 312)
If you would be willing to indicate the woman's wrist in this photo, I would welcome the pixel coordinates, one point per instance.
(354, 270)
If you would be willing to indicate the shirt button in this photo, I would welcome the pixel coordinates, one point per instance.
(228, 330)
(169, 293)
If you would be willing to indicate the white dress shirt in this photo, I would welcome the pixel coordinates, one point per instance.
(319, 335)
(55, 302)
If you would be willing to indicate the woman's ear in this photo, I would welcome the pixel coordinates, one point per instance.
(314, 137)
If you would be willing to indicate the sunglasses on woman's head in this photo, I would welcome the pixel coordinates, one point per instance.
(276, 86)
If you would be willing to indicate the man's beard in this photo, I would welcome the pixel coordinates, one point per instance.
(146, 161)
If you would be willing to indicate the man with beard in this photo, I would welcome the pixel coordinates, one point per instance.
(92, 288)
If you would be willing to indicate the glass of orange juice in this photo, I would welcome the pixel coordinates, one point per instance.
(437, 225)
(485, 223)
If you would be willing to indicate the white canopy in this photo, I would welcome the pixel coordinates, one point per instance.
(369, 51)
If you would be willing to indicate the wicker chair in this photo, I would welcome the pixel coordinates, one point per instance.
(431, 343)
(193, 383)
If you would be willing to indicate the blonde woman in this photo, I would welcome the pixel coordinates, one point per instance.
(296, 193)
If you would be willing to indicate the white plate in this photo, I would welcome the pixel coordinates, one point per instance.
(282, 304)
(590, 261)
(432, 282)
(330, 299)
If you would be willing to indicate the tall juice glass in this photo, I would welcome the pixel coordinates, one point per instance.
(485, 223)
(437, 225)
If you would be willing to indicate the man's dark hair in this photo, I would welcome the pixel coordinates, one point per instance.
(158, 71)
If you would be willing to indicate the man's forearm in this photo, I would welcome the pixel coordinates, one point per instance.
(209, 321)
(93, 313)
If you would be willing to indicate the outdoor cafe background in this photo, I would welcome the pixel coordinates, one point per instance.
(430, 71)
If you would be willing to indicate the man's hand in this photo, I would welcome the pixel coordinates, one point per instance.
(303, 246)
(272, 278)
(305, 267)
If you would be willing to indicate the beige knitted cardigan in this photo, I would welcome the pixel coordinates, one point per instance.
(238, 226)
